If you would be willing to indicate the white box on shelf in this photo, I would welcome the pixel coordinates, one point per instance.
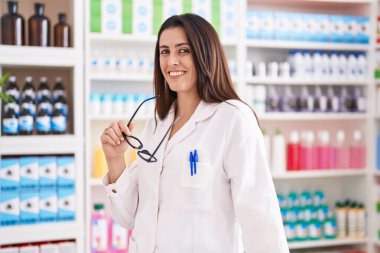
(66, 171)
(29, 249)
(9, 174)
(202, 8)
(29, 173)
(228, 18)
(49, 248)
(66, 204)
(170, 8)
(48, 205)
(67, 247)
(29, 207)
(48, 172)
(142, 17)
(9, 208)
(111, 16)
(9, 250)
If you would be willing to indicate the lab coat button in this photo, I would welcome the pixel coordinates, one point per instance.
(114, 191)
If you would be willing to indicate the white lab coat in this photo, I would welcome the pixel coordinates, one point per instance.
(171, 211)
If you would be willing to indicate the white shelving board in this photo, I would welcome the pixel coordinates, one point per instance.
(321, 174)
(314, 82)
(311, 116)
(327, 243)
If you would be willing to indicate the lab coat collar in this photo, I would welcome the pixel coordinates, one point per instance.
(202, 112)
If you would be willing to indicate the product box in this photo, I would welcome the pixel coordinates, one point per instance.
(324, 28)
(66, 204)
(66, 171)
(29, 174)
(267, 24)
(29, 249)
(228, 19)
(253, 25)
(48, 172)
(29, 207)
(202, 8)
(282, 26)
(9, 208)
(10, 174)
(297, 26)
(49, 248)
(142, 17)
(352, 29)
(364, 30)
(311, 27)
(171, 8)
(9, 250)
(48, 205)
(111, 16)
(338, 28)
(95, 16)
(67, 247)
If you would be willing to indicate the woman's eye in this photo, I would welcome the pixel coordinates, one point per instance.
(165, 51)
(184, 51)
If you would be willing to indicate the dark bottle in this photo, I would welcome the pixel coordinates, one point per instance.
(28, 91)
(12, 26)
(43, 121)
(25, 121)
(62, 105)
(58, 90)
(10, 122)
(43, 90)
(62, 32)
(29, 104)
(46, 104)
(58, 120)
(12, 90)
(39, 27)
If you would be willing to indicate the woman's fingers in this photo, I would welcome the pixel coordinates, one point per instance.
(124, 128)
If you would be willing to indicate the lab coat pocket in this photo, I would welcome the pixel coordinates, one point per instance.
(195, 191)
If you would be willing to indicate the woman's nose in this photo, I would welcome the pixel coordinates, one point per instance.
(173, 60)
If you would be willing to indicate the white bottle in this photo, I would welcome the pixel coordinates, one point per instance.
(320, 100)
(299, 65)
(362, 66)
(278, 153)
(342, 66)
(249, 69)
(273, 70)
(360, 102)
(267, 146)
(326, 66)
(284, 70)
(334, 63)
(259, 98)
(332, 100)
(317, 65)
(306, 101)
(308, 64)
(352, 67)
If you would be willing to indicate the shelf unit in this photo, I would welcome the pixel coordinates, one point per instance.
(240, 49)
(38, 61)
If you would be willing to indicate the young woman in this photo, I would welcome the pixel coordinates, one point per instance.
(201, 175)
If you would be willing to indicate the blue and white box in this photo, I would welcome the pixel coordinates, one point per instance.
(253, 25)
(267, 24)
(10, 174)
(364, 30)
(29, 207)
(352, 29)
(282, 26)
(66, 204)
(311, 27)
(48, 205)
(66, 171)
(171, 8)
(48, 172)
(9, 209)
(142, 16)
(324, 28)
(339, 28)
(297, 26)
(29, 173)
(228, 17)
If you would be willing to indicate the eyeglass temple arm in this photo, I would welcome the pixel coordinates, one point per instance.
(130, 120)
(159, 144)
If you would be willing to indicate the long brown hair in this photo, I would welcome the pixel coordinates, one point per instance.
(214, 82)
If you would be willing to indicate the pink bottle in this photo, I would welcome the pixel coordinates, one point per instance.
(357, 152)
(340, 152)
(324, 151)
(119, 238)
(294, 152)
(308, 154)
(99, 230)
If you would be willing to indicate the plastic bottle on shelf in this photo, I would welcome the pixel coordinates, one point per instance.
(361, 220)
(26, 121)
(106, 101)
(62, 32)
(43, 90)
(95, 103)
(362, 68)
(342, 152)
(99, 230)
(341, 219)
(352, 67)
(330, 226)
(43, 120)
(324, 151)
(59, 120)
(332, 100)
(317, 65)
(279, 152)
(308, 64)
(325, 65)
(359, 101)
(342, 66)
(345, 104)
(119, 238)
(267, 145)
(352, 219)
(308, 151)
(306, 101)
(12, 26)
(30, 105)
(10, 122)
(294, 152)
(357, 151)
(28, 90)
(288, 101)
(117, 104)
(320, 100)
(58, 89)
(334, 66)
(272, 100)
(12, 90)
(39, 27)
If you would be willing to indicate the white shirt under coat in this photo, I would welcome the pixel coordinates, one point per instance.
(171, 211)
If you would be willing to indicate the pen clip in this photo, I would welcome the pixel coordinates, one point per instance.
(195, 160)
(191, 158)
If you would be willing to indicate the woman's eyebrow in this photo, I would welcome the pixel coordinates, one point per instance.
(176, 45)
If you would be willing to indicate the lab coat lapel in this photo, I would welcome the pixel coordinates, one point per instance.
(202, 112)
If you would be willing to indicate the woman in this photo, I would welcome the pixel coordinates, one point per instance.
(201, 174)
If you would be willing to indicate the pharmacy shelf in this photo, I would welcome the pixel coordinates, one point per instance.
(39, 56)
(314, 2)
(121, 77)
(100, 38)
(96, 182)
(114, 117)
(321, 174)
(313, 81)
(29, 145)
(40, 232)
(312, 116)
(326, 243)
(306, 45)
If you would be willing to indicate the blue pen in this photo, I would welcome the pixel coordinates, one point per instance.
(195, 161)
(191, 163)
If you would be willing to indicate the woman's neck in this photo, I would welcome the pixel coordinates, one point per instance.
(186, 105)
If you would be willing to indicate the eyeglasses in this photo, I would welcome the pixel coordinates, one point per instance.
(136, 143)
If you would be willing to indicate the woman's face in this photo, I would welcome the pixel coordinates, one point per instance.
(176, 61)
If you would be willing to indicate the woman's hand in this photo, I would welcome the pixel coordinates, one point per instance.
(113, 142)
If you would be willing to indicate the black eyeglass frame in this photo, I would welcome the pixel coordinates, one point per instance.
(140, 152)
